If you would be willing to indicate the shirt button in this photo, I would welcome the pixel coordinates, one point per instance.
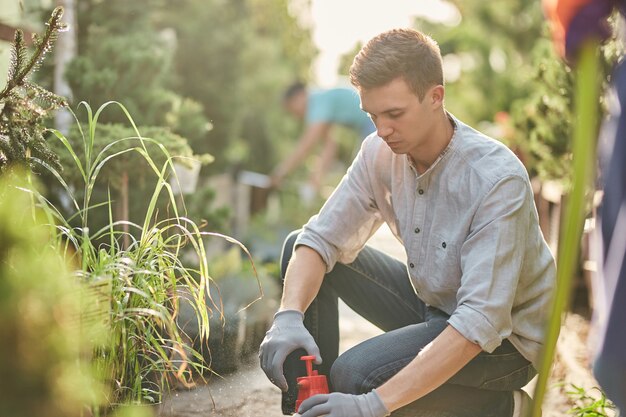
(443, 245)
(417, 230)
(412, 265)
(420, 191)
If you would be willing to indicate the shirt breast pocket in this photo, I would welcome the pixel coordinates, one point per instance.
(445, 263)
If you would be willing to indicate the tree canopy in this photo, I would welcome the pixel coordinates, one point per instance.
(211, 70)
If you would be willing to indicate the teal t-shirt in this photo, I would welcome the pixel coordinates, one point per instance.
(338, 105)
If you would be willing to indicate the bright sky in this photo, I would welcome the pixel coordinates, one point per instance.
(339, 24)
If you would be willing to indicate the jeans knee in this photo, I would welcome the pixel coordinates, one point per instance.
(345, 376)
(287, 251)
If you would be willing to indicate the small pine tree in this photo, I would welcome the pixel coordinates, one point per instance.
(24, 105)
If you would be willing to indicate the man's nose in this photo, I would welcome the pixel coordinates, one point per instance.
(383, 130)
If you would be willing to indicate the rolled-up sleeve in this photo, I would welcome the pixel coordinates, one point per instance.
(491, 260)
(348, 218)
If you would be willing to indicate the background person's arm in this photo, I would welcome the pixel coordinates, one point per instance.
(306, 142)
(324, 162)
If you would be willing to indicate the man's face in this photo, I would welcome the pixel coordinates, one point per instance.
(296, 105)
(403, 121)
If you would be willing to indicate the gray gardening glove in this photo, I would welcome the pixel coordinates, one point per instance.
(286, 335)
(344, 405)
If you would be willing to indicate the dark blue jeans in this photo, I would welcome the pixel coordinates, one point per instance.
(377, 287)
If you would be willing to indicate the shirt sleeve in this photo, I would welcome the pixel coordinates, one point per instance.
(491, 260)
(348, 218)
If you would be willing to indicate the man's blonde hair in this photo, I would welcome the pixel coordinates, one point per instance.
(404, 53)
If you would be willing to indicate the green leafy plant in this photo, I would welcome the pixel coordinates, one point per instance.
(138, 276)
(588, 405)
(116, 37)
(130, 164)
(125, 174)
(542, 130)
(543, 120)
(25, 105)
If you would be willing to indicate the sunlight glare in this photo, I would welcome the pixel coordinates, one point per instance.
(339, 25)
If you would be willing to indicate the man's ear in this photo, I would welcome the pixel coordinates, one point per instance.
(436, 96)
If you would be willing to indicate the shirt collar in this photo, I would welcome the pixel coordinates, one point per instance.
(447, 149)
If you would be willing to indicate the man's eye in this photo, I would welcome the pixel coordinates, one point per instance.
(395, 115)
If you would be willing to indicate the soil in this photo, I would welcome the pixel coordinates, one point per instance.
(248, 393)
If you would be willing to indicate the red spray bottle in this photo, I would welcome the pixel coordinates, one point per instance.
(312, 384)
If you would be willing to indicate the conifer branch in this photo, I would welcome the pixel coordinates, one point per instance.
(25, 105)
(42, 46)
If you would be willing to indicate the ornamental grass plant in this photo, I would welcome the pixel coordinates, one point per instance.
(135, 270)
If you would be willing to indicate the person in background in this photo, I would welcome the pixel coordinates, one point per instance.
(464, 317)
(574, 22)
(320, 110)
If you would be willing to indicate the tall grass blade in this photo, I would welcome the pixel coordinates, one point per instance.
(585, 133)
(70, 149)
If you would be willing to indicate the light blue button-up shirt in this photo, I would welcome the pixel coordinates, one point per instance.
(469, 227)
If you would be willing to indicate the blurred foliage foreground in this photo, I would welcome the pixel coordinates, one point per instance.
(40, 316)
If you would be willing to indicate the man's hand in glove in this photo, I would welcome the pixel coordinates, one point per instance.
(344, 405)
(286, 335)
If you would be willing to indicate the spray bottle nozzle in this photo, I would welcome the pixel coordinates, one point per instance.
(309, 364)
(312, 384)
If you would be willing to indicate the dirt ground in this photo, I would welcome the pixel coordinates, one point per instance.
(248, 393)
